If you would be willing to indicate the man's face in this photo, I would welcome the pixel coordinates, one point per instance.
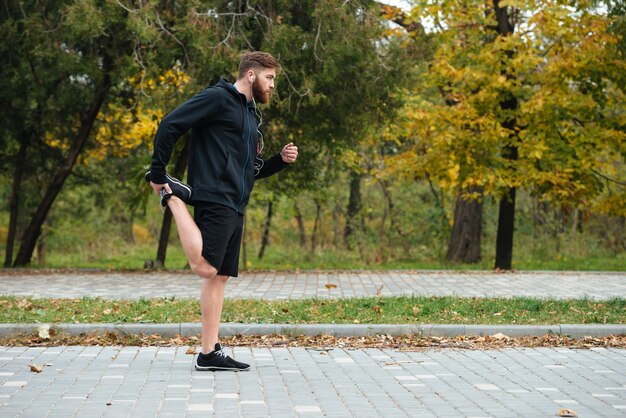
(263, 84)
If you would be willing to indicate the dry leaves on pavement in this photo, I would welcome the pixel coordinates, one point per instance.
(404, 343)
(36, 368)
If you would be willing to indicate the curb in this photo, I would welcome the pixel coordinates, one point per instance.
(337, 330)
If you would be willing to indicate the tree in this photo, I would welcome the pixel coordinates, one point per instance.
(76, 57)
(529, 94)
(465, 239)
(335, 84)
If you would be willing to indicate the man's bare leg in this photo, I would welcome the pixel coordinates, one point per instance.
(212, 290)
(211, 303)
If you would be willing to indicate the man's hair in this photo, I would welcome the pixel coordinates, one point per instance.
(256, 59)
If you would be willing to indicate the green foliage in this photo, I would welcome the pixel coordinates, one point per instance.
(564, 72)
(345, 74)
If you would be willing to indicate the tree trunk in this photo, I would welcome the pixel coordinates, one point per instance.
(164, 236)
(393, 222)
(42, 248)
(300, 221)
(557, 230)
(166, 224)
(316, 225)
(506, 226)
(354, 206)
(506, 216)
(15, 197)
(336, 217)
(619, 243)
(33, 230)
(266, 229)
(464, 245)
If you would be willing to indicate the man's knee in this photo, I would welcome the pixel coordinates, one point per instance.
(203, 269)
(222, 278)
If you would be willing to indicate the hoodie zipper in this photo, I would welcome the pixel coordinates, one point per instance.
(245, 166)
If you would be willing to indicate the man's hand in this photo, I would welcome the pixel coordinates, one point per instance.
(289, 153)
(158, 187)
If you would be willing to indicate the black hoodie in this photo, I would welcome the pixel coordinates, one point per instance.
(223, 147)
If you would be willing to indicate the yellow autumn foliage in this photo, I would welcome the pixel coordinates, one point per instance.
(121, 130)
(559, 66)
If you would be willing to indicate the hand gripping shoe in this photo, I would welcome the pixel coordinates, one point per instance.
(179, 189)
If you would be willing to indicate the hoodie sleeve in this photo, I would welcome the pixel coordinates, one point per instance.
(271, 166)
(196, 111)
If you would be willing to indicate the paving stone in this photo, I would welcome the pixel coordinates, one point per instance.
(286, 381)
(271, 285)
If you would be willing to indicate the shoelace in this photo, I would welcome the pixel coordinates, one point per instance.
(221, 353)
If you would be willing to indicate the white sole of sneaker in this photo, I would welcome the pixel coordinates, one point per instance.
(220, 369)
(178, 182)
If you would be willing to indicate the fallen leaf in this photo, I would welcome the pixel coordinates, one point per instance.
(330, 286)
(44, 331)
(566, 413)
(107, 311)
(36, 368)
(416, 310)
(191, 350)
(24, 304)
(377, 309)
(379, 291)
(500, 336)
(178, 340)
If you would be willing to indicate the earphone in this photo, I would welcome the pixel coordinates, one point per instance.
(258, 162)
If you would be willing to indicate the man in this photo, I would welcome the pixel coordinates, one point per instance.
(224, 160)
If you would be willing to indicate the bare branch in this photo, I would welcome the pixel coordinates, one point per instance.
(607, 178)
(230, 31)
(164, 29)
(317, 40)
(137, 56)
(126, 8)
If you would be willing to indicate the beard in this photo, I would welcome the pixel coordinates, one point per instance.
(259, 95)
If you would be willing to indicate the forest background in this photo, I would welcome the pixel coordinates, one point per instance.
(450, 134)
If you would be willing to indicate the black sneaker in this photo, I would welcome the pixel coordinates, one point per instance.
(179, 189)
(217, 360)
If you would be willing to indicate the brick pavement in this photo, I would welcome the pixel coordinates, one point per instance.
(334, 382)
(301, 381)
(278, 285)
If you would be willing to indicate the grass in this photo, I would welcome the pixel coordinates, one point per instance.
(394, 310)
(130, 257)
(278, 257)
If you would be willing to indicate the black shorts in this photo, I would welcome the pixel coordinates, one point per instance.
(221, 229)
